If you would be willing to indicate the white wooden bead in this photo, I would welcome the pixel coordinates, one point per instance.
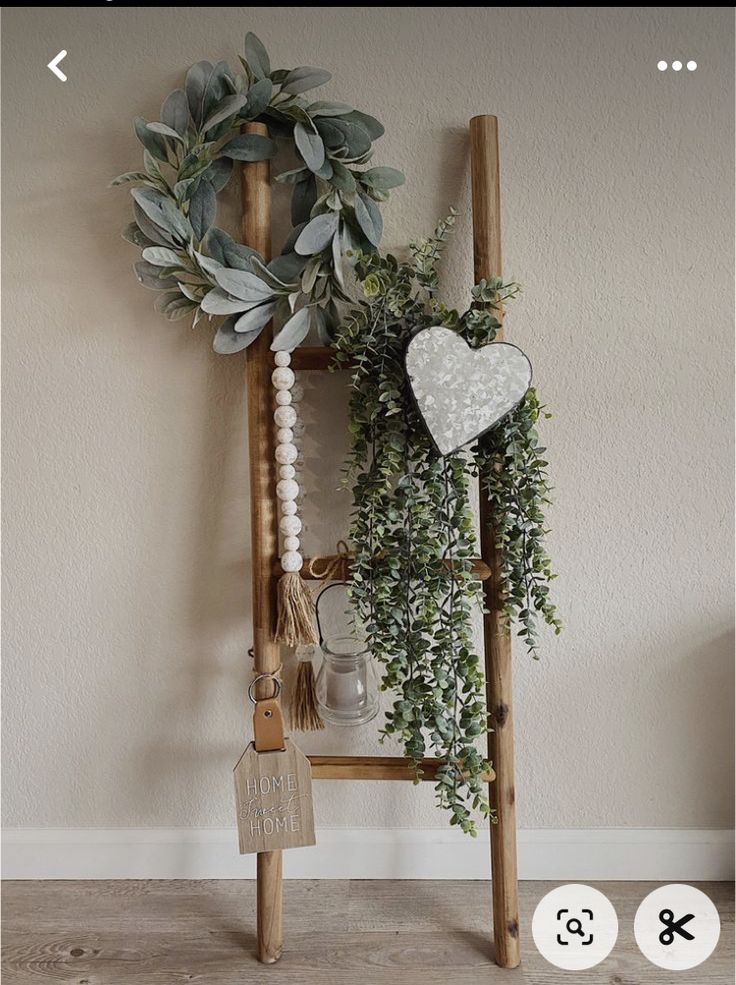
(284, 436)
(283, 398)
(290, 525)
(283, 378)
(287, 489)
(292, 561)
(291, 543)
(297, 393)
(285, 417)
(288, 507)
(286, 454)
(287, 472)
(282, 358)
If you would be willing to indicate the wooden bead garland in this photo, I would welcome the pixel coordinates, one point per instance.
(294, 624)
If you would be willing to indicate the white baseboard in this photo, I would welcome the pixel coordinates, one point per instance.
(368, 853)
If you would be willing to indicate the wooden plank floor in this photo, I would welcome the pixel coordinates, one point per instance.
(337, 933)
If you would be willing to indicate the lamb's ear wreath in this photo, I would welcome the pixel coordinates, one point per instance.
(188, 159)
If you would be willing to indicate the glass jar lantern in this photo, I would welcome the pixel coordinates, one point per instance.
(346, 684)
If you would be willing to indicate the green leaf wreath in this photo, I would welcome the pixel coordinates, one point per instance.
(188, 159)
(412, 525)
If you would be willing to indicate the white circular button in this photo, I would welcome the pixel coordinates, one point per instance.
(676, 66)
(691, 66)
(662, 66)
(575, 927)
(677, 927)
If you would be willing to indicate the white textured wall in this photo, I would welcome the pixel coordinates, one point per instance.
(126, 512)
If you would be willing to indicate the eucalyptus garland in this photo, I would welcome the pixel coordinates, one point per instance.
(412, 524)
(188, 159)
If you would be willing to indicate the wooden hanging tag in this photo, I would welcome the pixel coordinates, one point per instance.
(273, 787)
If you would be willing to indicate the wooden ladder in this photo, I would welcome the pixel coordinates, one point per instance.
(266, 568)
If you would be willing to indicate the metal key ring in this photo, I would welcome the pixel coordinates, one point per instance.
(264, 677)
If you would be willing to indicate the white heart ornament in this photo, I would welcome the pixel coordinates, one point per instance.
(462, 392)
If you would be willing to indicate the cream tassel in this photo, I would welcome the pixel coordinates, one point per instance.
(294, 604)
(304, 710)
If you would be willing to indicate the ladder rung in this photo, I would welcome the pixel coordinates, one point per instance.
(374, 768)
(336, 565)
(312, 357)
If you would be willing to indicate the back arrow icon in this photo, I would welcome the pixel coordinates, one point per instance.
(54, 65)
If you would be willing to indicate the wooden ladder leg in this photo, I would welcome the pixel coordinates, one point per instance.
(264, 524)
(487, 263)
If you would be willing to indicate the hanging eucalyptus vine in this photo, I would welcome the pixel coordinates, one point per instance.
(412, 524)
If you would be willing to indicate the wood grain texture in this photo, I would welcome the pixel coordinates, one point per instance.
(312, 358)
(372, 768)
(263, 518)
(486, 196)
(341, 933)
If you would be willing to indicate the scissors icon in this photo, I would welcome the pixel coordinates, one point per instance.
(673, 927)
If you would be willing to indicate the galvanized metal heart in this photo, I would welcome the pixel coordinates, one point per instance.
(462, 392)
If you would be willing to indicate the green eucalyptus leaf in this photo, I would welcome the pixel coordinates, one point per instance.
(194, 294)
(243, 284)
(326, 108)
(309, 277)
(195, 86)
(202, 209)
(369, 218)
(259, 97)
(227, 341)
(293, 332)
(317, 234)
(383, 179)
(152, 168)
(219, 173)
(279, 124)
(160, 256)
(304, 78)
(227, 252)
(162, 211)
(255, 319)
(249, 147)
(342, 178)
(149, 276)
(175, 112)
(219, 302)
(205, 87)
(133, 234)
(310, 147)
(355, 137)
(325, 172)
(369, 123)
(303, 200)
(128, 178)
(229, 107)
(292, 177)
(287, 268)
(256, 56)
(153, 142)
(154, 233)
(164, 130)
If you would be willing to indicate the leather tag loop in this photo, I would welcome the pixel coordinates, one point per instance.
(268, 726)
